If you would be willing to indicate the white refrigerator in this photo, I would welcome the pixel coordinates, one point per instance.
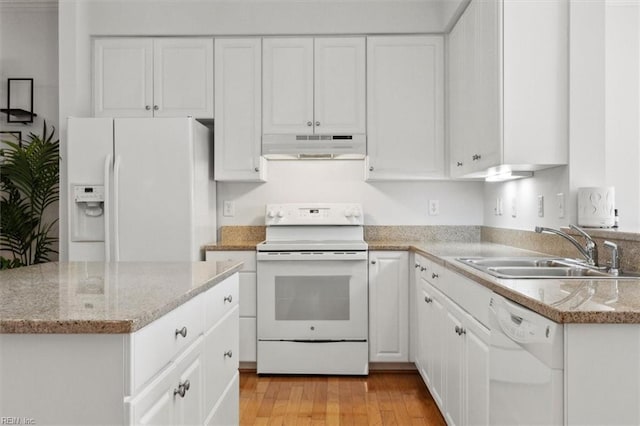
(140, 189)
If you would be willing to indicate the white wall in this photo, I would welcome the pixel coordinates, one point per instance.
(29, 49)
(384, 203)
(525, 192)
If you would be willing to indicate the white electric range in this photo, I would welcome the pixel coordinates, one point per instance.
(313, 290)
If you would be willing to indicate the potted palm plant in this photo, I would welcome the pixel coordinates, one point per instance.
(29, 175)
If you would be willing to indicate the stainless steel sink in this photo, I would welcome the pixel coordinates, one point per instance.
(539, 267)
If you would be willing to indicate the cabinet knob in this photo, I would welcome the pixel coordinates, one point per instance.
(422, 268)
(428, 299)
(156, 107)
(148, 107)
(257, 169)
(228, 354)
(459, 164)
(309, 123)
(370, 168)
(317, 123)
(434, 275)
(417, 265)
(228, 299)
(182, 332)
(373, 262)
(182, 389)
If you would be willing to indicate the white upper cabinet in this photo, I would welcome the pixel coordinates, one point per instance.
(145, 77)
(123, 77)
(339, 85)
(313, 85)
(508, 86)
(238, 107)
(405, 108)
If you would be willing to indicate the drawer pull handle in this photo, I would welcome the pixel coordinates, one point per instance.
(182, 389)
(417, 265)
(434, 275)
(228, 354)
(428, 299)
(228, 299)
(422, 268)
(182, 332)
(460, 331)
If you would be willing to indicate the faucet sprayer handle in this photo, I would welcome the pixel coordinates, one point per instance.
(615, 257)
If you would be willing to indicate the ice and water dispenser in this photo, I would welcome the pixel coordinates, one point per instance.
(87, 221)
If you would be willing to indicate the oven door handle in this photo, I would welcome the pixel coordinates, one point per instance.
(311, 256)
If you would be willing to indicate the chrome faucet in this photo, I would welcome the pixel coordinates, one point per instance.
(590, 251)
(614, 268)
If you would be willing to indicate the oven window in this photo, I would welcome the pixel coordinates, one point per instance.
(300, 298)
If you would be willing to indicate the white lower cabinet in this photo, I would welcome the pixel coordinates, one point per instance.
(453, 346)
(248, 294)
(388, 306)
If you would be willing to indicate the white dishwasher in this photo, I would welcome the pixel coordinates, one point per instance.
(525, 367)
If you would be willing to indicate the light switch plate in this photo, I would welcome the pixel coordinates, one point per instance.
(514, 210)
(541, 205)
(560, 197)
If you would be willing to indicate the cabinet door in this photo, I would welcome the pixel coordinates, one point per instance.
(431, 340)
(476, 356)
(458, 100)
(405, 108)
(339, 85)
(454, 370)
(238, 106)
(482, 50)
(189, 375)
(123, 77)
(183, 77)
(287, 79)
(388, 307)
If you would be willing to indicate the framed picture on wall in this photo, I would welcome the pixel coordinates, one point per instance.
(11, 136)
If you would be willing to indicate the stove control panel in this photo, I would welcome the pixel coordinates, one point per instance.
(314, 214)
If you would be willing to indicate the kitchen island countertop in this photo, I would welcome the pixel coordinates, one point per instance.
(97, 297)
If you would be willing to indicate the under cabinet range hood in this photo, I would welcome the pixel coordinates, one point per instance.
(300, 147)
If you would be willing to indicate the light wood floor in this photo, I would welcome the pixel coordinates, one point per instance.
(382, 398)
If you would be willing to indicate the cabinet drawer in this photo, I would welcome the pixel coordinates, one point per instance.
(156, 344)
(248, 296)
(220, 300)
(248, 340)
(471, 296)
(247, 257)
(221, 355)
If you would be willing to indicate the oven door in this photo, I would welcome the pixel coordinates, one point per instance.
(312, 296)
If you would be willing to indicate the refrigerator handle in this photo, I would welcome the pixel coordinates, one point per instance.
(116, 199)
(107, 208)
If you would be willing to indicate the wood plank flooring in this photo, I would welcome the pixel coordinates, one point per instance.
(382, 398)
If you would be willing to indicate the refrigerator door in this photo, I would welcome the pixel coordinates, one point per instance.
(153, 189)
(89, 149)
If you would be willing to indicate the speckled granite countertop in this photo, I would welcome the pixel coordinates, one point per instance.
(96, 297)
(593, 301)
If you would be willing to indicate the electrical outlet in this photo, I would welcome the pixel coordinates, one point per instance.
(434, 207)
(514, 211)
(560, 205)
(229, 209)
(541, 205)
(499, 206)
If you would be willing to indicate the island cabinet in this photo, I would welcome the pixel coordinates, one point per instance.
(153, 77)
(508, 87)
(248, 300)
(238, 109)
(313, 85)
(405, 108)
(180, 369)
(452, 352)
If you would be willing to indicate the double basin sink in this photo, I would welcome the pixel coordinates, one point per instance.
(539, 267)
